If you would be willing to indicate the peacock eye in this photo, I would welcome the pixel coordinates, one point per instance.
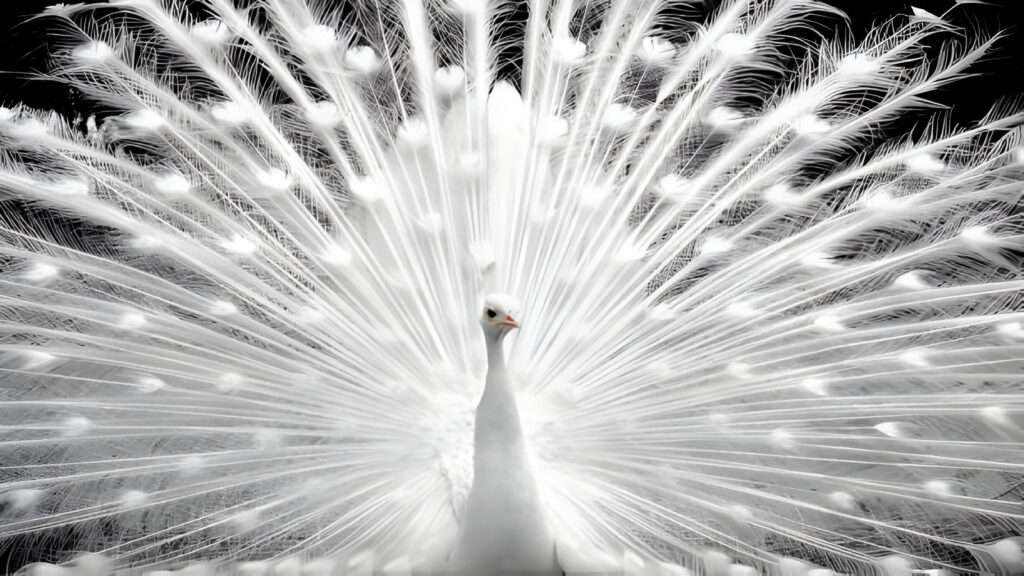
(491, 313)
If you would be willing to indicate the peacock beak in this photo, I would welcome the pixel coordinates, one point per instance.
(509, 321)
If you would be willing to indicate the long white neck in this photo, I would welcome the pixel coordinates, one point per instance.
(504, 528)
(498, 433)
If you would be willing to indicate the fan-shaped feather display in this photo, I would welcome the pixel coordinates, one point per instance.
(762, 331)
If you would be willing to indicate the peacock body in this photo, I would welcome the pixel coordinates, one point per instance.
(761, 333)
(503, 527)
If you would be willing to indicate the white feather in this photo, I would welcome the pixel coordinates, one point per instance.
(759, 335)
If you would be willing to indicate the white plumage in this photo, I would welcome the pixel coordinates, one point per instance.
(239, 318)
(504, 526)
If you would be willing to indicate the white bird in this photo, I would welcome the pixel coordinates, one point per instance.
(504, 528)
(239, 319)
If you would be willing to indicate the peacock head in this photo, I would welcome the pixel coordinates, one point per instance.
(498, 318)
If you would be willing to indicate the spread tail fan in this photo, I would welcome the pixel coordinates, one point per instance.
(763, 329)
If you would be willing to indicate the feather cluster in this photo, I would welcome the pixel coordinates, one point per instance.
(765, 328)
